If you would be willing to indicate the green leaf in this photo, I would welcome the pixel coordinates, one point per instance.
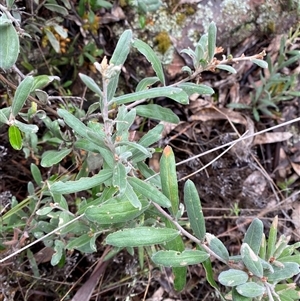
(210, 277)
(22, 93)
(254, 234)
(233, 277)
(119, 179)
(149, 192)
(56, 8)
(260, 63)
(157, 112)
(194, 209)
(52, 157)
(146, 82)
(122, 49)
(132, 197)
(251, 261)
(147, 172)
(113, 212)
(103, 149)
(82, 243)
(74, 123)
(10, 45)
(173, 258)
(44, 211)
(84, 183)
(212, 37)
(152, 136)
(169, 183)
(288, 270)
(217, 246)
(250, 289)
(150, 55)
(106, 154)
(226, 68)
(176, 94)
(191, 88)
(271, 245)
(176, 244)
(15, 138)
(142, 236)
(91, 84)
(37, 176)
(124, 121)
(179, 278)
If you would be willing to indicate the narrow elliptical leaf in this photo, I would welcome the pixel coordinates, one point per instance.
(169, 183)
(253, 236)
(271, 245)
(149, 192)
(212, 37)
(142, 236)
(150, 55)
(194, 209)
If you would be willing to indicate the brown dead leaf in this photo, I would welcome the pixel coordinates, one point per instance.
(175, 67)
(296, 168)
(208, 114)
(44, 255)
(272, 137)
(283, 167)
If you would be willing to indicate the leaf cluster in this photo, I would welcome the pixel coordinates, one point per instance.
(124, 199)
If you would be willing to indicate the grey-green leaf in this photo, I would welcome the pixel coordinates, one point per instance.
(150, 55)
(233, 277)
(84, 183)
(171, 258)
(22, 93)
(176, 94)
(191, 88)
(146, 82)
(122, 49)
(52, 157)
(152, 136)
(157, 112)
(149, 192)
(37, 176)
(120, 177)
(90, 83)
(212, 37)
(115, 212)
(251, 260)
(194, 209)
(226, 68)
(260, 63)
(142, 236)
(10, 45)
(56, 8)
(216, 245)
(73, 122)
(250, 289)
(254, 234)
(288, 270)
(26, 128)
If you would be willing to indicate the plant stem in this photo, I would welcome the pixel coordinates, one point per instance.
(187, 234)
